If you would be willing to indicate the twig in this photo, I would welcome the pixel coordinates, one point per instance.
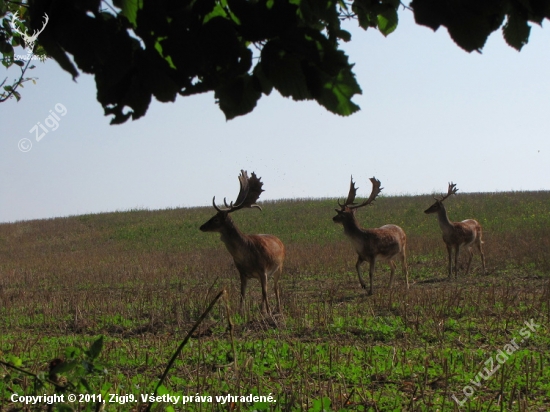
(182, 345)
(230, 327)
(35, 376)
(17, 83)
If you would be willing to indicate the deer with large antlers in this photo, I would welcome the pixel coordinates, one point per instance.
(457, 234)
(256, 256)
(29, 40)
(381, 244)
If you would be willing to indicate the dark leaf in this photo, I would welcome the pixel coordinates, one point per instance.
(337, 92)
(265, 85)
(63, 60)
(283, 69)
(72, 352)
(153, 72)
(516, 31)
(387, 21)
(63, 367)
(364, 14)
(84, 383)
(6, 48)
(95, 348)
(344, 35)
(238, 96)
(429, 13)
(129, 8)
(469, 22)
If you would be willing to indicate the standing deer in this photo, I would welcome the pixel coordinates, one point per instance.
(457, 234)
(256, 256)
(384, 243)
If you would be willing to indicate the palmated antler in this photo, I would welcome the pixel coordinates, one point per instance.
(351, 195)
(376, 189)
(450, 191)
(251, 189)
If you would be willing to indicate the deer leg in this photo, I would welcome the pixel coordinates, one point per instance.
(404, 266)
(371, 272)
(480, 248)
(471, 252)
(358, 268)
(265, 303)
(276, 276)
(392, 267)
(457, 252)
(450, 253)
(244, 280)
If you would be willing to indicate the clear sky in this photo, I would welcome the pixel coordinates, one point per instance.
(430, 113)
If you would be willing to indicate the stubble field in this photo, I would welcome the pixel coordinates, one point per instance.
(141, 279)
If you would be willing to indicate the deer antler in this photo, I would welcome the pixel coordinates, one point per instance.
(37, 32)
(450, 191)
(29, 40)
(14, 18)
(376, 189)
(251, 189)
(351, 195)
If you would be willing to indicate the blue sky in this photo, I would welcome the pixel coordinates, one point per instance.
(430, 113)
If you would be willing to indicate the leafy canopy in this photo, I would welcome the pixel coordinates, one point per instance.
(9, 40)
(241, 49)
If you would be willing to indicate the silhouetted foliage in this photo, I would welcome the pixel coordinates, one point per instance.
(241, 49)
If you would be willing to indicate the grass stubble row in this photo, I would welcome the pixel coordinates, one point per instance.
(142, 278)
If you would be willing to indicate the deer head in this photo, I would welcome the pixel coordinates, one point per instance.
(250, 191)
(29, 40)
(439, 201)
(349, 207)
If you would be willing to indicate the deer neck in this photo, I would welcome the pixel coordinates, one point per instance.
(232, 237)
(352, 228)
(444, 222)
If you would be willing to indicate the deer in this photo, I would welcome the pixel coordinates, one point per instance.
(457, 234)
(255, 256)
(29, 40)
(380, 244)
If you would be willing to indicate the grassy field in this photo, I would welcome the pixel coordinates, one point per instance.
(141, 279)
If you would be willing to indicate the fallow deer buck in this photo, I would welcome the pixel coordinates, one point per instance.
(384, 243)
(256, 256)
(457, 234)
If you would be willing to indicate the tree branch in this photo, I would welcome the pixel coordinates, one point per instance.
(13, 91)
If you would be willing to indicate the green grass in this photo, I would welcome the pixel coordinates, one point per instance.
(142, 278)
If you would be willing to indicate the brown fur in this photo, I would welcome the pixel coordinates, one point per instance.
(457, 234)
(384, 243)
(255, 256)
